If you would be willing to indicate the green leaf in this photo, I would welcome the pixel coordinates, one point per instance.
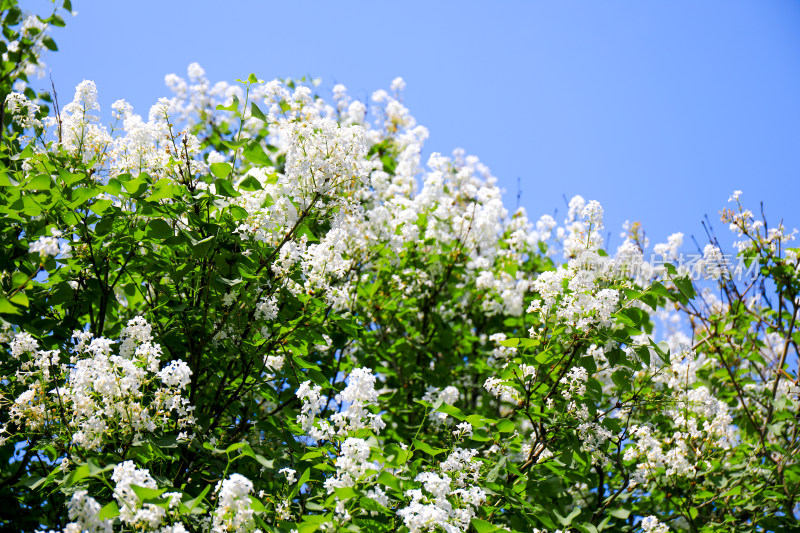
(529, 343)
(20, 299)
(68, 178)
(368, 504)
(100, 206)
(7, 308)
(194, 502)
(263, 461)
(27, 153)
(304, 477)
(18, 279)
(221, 170)
(567, 520)
(163, 189)
(235, 145)
(77, 475)
(735, 491)
(632, 294)
(427, 448)
(544, 357)
(310, 524)
(685, 286)
(5, 181)
(109, 511)
(662, 349)
(312, 455)
(256, 112)
(56, 20)
(104, 225)
(170, 441)
(38, 183)
(455, 412)
(237, 212)
(635, 316)
(389, 480)
(256, 505)
(620, 513)
(234, 447)
(478, 421)
(510, 343)
(302, 229)
(136, 187)
(224, 188)
(658, 289)
(144, 494)
(504, 425)
(482, 526)
(255, 154)
(200, 248)
(491, 476)
(158, 228)
(229, 282)
(644, 354)
(32, 482)
(551, 486)
(113, 187)
(345, 492)
(250, 184)
(95, 469)
(80, 196)
(621, 379)
(233, 107)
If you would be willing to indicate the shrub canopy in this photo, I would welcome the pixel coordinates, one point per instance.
(256, 309)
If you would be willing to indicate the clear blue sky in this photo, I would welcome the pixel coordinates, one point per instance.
(657, 109)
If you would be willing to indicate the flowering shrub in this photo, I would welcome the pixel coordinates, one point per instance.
(258, 310)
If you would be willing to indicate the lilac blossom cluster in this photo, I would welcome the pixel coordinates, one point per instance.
(98, 395)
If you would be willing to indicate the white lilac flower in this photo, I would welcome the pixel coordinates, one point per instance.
(289, 473)
(463, 430)
(234, 511)
(176, 374)
(433, 508)
(132, 511)
(650, 524)
(104, 395)
(49, 246)
(358, 395)
(23, 110)
(351, 465)
(274, 362)
(84, 511)
(449, 396)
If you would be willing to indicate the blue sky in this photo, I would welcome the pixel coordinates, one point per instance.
(657, 109)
